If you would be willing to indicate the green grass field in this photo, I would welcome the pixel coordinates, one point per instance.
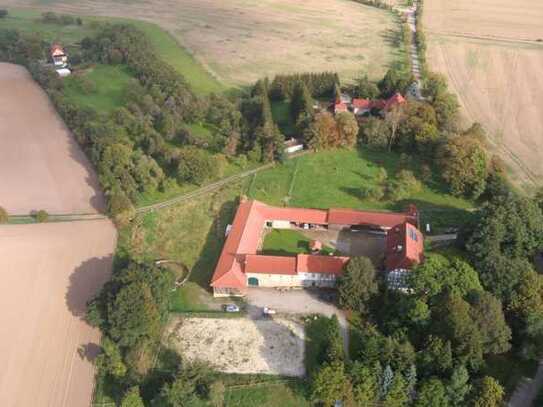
(335, 178)
(109, 85)
(165, 45)
(281, 116)
(284, 242)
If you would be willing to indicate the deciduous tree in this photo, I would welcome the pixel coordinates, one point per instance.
(357, 284)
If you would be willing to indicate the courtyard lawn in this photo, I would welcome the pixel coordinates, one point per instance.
(285, 242)
(108, 87)
(164, 44)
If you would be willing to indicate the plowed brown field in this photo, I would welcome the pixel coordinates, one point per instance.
(489, 51)
(41, 165)
(48, 271)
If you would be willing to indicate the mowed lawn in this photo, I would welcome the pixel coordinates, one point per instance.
(109, 84)
(166, 47)
(335, 179)
(285, 242)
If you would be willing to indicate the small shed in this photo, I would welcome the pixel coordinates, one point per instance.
(315, 246)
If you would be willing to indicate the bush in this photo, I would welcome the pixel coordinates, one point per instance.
(41, 216)
(3, 13)
(372, 192)
(3, 215)
(121, 209)
(405, 185)
(195, 166)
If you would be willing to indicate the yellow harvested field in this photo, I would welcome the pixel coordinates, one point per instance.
(518, 19)
(243, 40)
(488, 51)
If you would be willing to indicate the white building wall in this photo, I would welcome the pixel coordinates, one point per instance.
(281, 224)
(297, 280)
(275, 280)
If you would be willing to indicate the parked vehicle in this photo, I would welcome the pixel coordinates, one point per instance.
(269, 311)
(231, 308)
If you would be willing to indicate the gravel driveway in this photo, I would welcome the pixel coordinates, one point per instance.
(304, 301)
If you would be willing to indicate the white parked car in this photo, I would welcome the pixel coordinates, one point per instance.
(269, 311)
(231, 308)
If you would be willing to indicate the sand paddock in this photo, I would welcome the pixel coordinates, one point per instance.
(48, 273)
(241, 345)
(41, 165)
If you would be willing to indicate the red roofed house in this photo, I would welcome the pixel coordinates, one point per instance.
(240, 265)
(59, 57)
(340, 107)
(395, 100)
(361, 106)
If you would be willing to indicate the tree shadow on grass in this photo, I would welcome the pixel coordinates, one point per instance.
(202, 270)
(85, 283)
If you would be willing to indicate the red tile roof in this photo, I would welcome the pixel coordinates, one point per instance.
(340, 107)
(404, 247)
(378, 219)
(396, 99)
(362, 103)
(298, 215)
(307, 263)
(57, 50)
(270, 264)
(239, 254)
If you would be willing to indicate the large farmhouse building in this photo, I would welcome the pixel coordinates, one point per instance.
(240, 265)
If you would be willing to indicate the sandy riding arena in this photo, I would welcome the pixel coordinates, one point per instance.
(48, 273)
(41, 165)
(492, 53)
(240, 345)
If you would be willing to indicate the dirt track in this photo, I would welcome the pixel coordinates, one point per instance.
(41, 165)
(49, 271)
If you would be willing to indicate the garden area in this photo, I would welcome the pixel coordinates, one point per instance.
(99, 87)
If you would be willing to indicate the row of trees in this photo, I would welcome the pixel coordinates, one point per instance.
(320, 85)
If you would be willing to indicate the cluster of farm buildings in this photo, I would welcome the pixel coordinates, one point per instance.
(360, 106)
(241, 266)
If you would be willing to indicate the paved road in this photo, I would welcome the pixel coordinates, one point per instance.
(301, 302)
(526, 390)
